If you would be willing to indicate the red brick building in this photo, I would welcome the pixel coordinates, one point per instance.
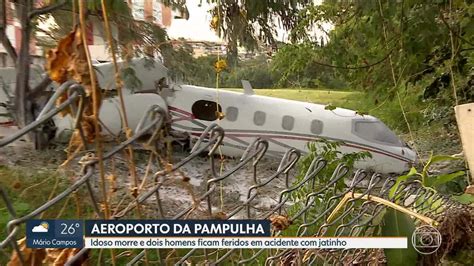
(148, 10)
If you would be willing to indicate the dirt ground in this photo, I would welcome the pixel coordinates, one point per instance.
(176, 195)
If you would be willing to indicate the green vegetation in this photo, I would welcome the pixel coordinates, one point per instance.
(20, 183)
(388, 111)
(406, 62)
(295, 66)
(28, 188)
(339, 98)
(200, 71)
(386, 222)
(412, 61)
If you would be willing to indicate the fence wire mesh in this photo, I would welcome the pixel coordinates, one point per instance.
(303, 207)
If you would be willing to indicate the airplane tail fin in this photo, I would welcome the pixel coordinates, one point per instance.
(247, 87)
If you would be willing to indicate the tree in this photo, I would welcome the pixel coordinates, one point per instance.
(135, 38)
(294, 64)
(250, 23)
(407, 40)
(27, 15)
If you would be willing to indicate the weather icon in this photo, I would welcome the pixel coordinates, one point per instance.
(42, 228)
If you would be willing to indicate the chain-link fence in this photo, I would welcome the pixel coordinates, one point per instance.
(303, 207)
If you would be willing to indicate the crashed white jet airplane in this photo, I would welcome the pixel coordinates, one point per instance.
(283, 123)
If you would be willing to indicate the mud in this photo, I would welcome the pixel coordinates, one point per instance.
(175, 194)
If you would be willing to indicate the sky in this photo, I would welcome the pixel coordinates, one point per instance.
(197, 26)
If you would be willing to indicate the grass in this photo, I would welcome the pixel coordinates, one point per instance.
(387, 111)
(29, 188)
(338, 98)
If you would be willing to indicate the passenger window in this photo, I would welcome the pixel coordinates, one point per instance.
(259, 118)
(205, 110)
(288, 122)
(316, 127)
(376, 131)
(232, 113)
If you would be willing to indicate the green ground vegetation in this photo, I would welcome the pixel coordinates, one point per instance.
(427, 124)
(30, 187)
(338, 98)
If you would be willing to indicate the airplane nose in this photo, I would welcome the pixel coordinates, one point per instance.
(411, 155)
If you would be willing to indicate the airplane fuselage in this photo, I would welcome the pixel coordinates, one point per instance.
(285, 124)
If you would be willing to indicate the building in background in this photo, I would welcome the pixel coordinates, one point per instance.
(13, 31)
(152, 11)
(147, 10)
(205, 48)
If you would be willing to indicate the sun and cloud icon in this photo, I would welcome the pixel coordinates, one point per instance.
(42, 228)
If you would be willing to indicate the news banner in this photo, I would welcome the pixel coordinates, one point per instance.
(183, 234)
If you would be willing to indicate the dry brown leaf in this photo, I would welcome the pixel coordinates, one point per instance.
(469, 190)
(87, 124)
(58, 59)
(31, 256)
(280, 222)
(134, 191)
(220, 216)
(75, 141)
(59, 256)
(69, 61)
(38, 257)
(88, 128)
(214, 23)
(220, 115)
(220, 65)
(56, 256)
(168, 167)
(62, 98)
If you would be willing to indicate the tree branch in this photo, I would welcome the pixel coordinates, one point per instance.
(46, 9)
(441, 16)
(3, 36)
(355, 67)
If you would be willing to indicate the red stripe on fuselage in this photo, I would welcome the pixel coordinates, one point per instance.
(308, 139)
(180, 111)
(292, 137)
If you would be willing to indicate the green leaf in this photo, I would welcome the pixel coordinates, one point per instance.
(399, 224)
(442, 179)
(330, 107)
(465, 198)
(432, 160)
(400, 179)
(439, 158)
(21, 207)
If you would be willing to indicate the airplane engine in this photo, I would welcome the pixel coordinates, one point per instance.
(136, 105)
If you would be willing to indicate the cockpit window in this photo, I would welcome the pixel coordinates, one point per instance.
(205, 110)
(375, 131)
